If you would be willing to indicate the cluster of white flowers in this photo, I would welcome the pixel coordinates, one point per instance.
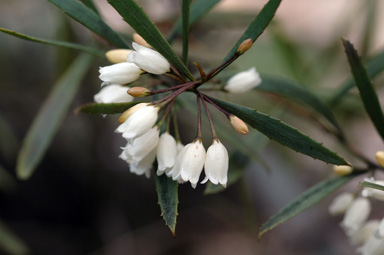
(368, 235)
(142, 129)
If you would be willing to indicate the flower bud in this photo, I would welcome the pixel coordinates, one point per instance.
(166, 153)
(139, 92)
(239, 125)
(120, 73)
(243, 81)
(216, 164)
(140, 40)
(244, 46)
(149, 60)
(125, 115)
(117, 55)
(340, 203)
(380, 158)
(356, 214)
(342, 170)
(113, 93)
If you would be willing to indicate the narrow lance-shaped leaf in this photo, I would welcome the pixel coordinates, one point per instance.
(50, 117)
(367, 184)
(185, 19)
(367, 91)
(168, 200)
(374, 67)
(293, 91)
(282, 133)
(136, 17)
(305, 200)
(74, 46)
(89, 18)
(198, 9)
(255, 29)
(90, 4)
(113, 108)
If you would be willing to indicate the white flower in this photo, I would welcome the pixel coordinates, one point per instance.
(136, 149)
(375, 193)
(179, 146)
(120, 73)
(243, 81)
(139, 122)
(143, 166)
(362, 235)
(166, 153)
(189, 163)
(373, 246)
(356, 214)
(148, 60)
(340, 203)
(113, 93)
(216, 164)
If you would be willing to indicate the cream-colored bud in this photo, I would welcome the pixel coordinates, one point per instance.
(140, 40)
(125, 115)
(139, 92)
(380, 158)
(244, 46)
(239, 125)
(118, 55)
(342, 170)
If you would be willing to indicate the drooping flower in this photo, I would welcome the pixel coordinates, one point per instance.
(216, 164)
(120, 73)
(138, 148)
(166, 153)
(143, 166)
(340, 203)
(139, 122)
(149, 60)
(362, 235)
(189, 163)
(373, 246)
(125, 115)
(113, 93)
(356, 214)
(243, 81)
(371, 192)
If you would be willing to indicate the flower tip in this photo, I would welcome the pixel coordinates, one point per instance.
(244, 46)
(117, 55)
(125, 115)
(140, 40)
(239, 125)
(138, 92)
(380, 158)
(342, 170)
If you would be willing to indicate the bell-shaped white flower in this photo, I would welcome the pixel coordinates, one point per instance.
(373, 246)
(120, 73)
(113, 93)
(362, 235)
(149, 60)
(356, 214)
(166, 153)
(136, 149)
(243, 81)
(189, 163)
(340, 203)
(216, 164)
(139, 122)
(143, 166)
(371, 192)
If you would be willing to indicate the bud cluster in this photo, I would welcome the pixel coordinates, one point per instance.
(148, 137)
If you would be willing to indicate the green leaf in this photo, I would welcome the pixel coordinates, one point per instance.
(367, 184)
(84, 15)
(185, 21)
(74, 46)
(136, 17)
(282, 133)
(292, 90)
(50, 117)
(367, 91)
(374, 67)
(198, 9)
(7, 182)
(237, 162)
(255, 29)
(168, 200)
(114, 108)
(91, 5)
(10, 243)
(305, 200)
